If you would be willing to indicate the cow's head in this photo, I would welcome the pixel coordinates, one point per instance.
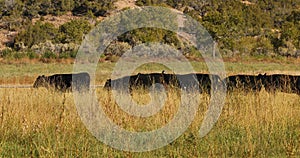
(41, 81)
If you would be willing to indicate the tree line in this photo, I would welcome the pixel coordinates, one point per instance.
(254, 27)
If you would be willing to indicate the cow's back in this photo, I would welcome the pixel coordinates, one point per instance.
(80, 81)
(61, 82)
(244, 82)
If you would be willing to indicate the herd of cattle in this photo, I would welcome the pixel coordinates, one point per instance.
(199, 81)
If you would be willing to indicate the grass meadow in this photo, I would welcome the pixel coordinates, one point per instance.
(45, 123)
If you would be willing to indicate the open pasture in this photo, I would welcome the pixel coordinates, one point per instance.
(25, 73)
(39, 122)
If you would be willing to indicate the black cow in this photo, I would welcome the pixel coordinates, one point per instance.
(207, 82)
(147, 80)
(282, 83)
(247, 83)
(120, 83)
(63, 82)
(188, 82)
(134, 81)
(201, 81)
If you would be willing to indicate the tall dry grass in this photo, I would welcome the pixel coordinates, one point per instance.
(42, 123)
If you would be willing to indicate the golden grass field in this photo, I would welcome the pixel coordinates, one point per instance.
(45, 123)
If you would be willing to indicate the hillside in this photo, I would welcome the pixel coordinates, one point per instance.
(241, 28)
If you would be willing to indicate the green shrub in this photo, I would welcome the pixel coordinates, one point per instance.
(73, 31)
(18, 55)
(67, 54)
(144, 35)
(49, 55)
(10, 54)
(64, 55)
(192, 52)
(73, 53)
(35, 34)
(31, 55)
(6, 53)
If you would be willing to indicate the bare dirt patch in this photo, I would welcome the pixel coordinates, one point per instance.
(125, 4)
